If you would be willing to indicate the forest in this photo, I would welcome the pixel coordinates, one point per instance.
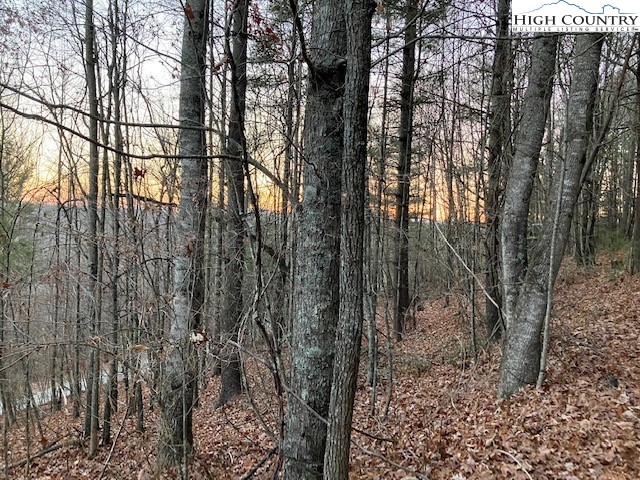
(322, 239)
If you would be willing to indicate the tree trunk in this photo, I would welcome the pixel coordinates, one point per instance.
(405, 134)
(635, 249)
(231, 383)
(522, 174)
(317, 271)
(116, 84)
(178, 371)
(93, 385)
(280, 314)
(521, 353)
(349, 332)
(499, 151)
(585, 224)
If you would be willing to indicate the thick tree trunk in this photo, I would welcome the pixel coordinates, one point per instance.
(523, 171)
(317, 271)
(178, 371)
(231, 383)
(521, 353)
(499, 151)
(349, 332)
(635, 238)
(405, 134)
(635, 250)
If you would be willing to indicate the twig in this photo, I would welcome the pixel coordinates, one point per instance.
(142, 198)
(324, 420)
(115, 440)
(251, 472)
(391, 462)
(544, 355)
(52, 448)
(466, 267)
(204, 466)
(517, 461)
(300, 30)
(371, 435)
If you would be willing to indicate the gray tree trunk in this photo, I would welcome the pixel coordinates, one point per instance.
(317, 271)
(523, 171)
(585, 223)
(231, 383)
(405, 134)
(349, 332)
(178, 370)
(522, 349)
(635, 250)
(93, 384)
(116, 84)
(499, 150)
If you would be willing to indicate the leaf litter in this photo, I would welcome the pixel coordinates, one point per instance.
(444, 420)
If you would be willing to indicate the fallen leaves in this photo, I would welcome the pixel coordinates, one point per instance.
(577, 426)
(444, 421)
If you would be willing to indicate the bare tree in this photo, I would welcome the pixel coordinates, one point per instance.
(499, 150)
(358, 15)
(635, 250)
(231, 384)
(178, 380)
(93, 390)
(405, 134)
(528, 142)
(316, 279)
(529, 298)
(116, 87)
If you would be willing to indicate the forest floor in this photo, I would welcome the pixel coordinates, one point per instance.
(444, 421)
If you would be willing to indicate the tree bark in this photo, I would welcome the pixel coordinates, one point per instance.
(93, 382)
(317, 271)
(523, 171)
(635, 249)
(116, 84)
(405, 134)
(358, 16)
(499, 151)
(521, 353)
(178, 371)
(585, 226)
(231, 383)
(374, 258)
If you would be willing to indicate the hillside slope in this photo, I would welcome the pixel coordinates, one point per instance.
(444, 421)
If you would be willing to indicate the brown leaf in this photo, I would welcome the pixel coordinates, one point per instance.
(189, 11)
